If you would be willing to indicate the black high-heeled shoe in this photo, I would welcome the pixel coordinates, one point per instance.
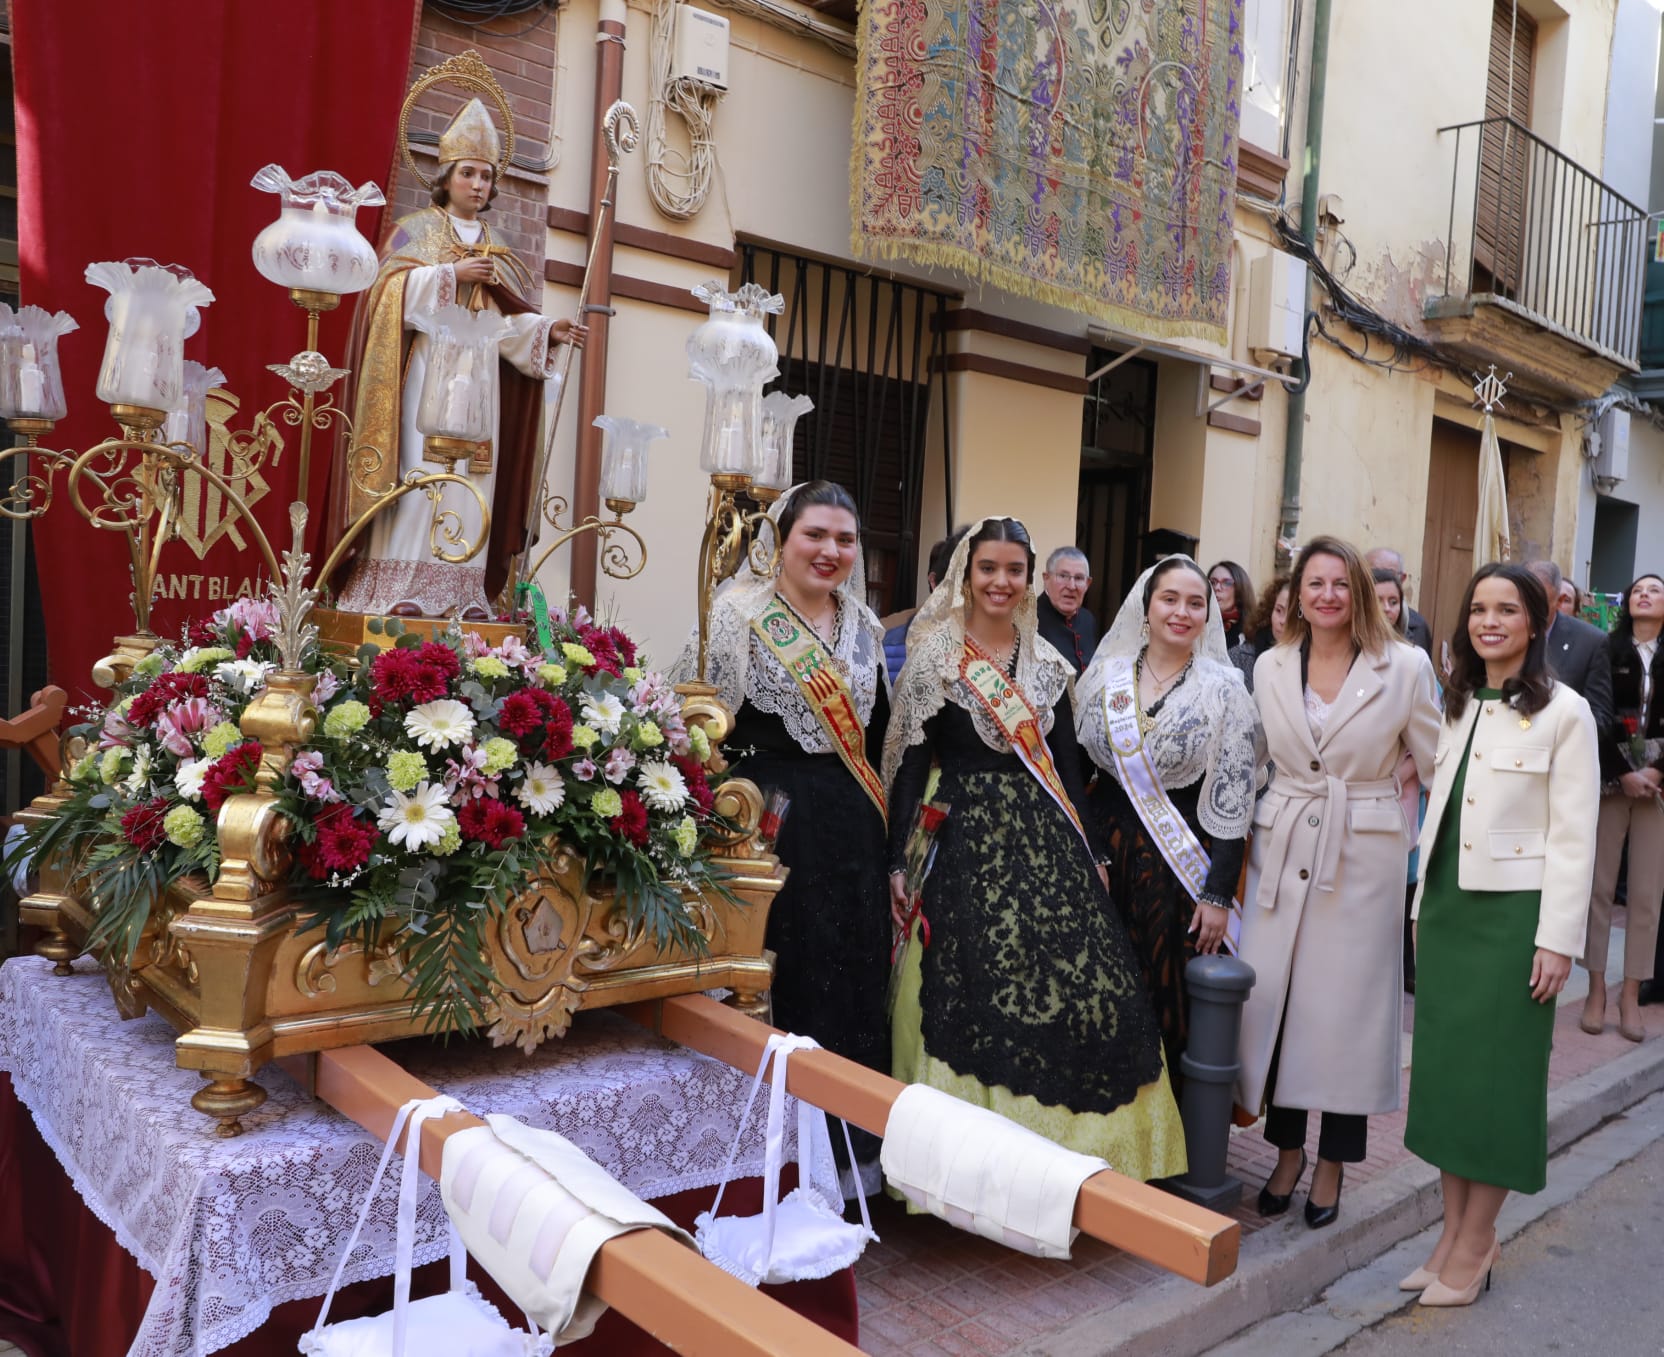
(1319, 1216)
(1274, 1204)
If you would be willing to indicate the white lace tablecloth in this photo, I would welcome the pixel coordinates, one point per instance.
(230, 1228)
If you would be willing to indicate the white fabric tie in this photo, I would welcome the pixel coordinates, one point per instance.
(976, 1170)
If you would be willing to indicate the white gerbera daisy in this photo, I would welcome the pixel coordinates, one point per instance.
(135, 783)
(662, 785)
(541, 791)
(603, 712)
(417, 818)
(187, 778)
(438, 725)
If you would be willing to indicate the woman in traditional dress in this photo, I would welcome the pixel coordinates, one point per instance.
(1632, 769)
(1509, 853)
(1349, 712)
(799, 660)
(1022, 995)
(1166, 715)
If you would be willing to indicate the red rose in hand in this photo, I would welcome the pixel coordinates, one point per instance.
(1632, 725)
(143, 824)
(631, 822)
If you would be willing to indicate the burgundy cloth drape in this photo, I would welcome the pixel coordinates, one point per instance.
(139, 127)
(67, 1289)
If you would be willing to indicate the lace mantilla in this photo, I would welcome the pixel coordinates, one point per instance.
(1208, 728)
(231, 1228)
(935, 650)
(769, 687)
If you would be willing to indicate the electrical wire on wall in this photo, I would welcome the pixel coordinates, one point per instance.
(484, 13)
(678, 182)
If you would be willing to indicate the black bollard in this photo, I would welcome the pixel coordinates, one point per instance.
(1218, 987)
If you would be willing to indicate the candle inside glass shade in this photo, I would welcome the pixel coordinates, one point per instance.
(733, 355)
(314, 245)
(624, 456)
(459, 388)
(780, 415)
(31, 382)
(187, 422)
(153, 308)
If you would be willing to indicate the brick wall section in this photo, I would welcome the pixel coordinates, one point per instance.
(524, 64)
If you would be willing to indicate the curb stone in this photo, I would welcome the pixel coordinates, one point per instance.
(1286, 1266)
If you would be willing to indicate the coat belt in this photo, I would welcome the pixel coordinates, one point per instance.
(1298, 798)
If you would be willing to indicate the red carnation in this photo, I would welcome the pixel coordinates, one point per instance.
(693, 773)
(200, 633)
(625, 647)
(557, 731)
(489, 821)
(600, 644)
(245, 643)
(143, 824)
(233, 772)
(163, 692)
(631, 822)
(415, 676)
(521, 713)
(343, 842)
(438, 656)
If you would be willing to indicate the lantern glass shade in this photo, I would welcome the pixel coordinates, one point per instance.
(624, 456)
(780, 415)
(459, 388)
(31, 381)
(152, 310)
(734, 356)
(314, 245)
(187, 422)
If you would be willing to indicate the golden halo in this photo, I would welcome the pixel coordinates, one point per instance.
(471, 73)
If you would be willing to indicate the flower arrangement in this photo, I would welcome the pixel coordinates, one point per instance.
(443, 775)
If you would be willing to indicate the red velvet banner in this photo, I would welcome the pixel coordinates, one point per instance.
(139, 127)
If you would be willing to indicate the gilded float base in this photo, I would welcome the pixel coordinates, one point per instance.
(342, 633)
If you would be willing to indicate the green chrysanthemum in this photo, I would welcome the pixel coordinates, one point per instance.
(405, 768)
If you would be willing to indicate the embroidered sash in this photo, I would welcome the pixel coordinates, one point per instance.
(1179, 846)
(1010, 708)
(798, 648)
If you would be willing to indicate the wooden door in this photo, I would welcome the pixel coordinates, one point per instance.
(1499, 220)
(1447, 548)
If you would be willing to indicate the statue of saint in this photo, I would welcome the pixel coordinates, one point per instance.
(443, 255)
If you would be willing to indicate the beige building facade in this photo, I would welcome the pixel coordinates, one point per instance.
(940, 401)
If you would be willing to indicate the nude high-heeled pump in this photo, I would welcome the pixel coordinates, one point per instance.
(1440, 1294)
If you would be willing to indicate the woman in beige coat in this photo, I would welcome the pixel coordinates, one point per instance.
(1350, 712)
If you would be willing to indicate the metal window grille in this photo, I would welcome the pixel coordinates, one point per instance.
(863, 348)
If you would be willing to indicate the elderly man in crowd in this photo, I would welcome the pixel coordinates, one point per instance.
(1415, 625)
(1577, 651)
(1065, 620)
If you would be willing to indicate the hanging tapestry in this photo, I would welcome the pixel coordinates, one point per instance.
(1080, 152)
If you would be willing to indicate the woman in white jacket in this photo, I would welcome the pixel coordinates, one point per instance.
(1507, 860)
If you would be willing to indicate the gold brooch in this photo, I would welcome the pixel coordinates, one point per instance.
(1525, 723)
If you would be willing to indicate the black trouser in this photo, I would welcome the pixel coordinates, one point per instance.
(1340, 1135)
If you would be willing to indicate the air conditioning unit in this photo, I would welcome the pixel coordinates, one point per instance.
(1612, 453)
(1276, 305)
(700, 52)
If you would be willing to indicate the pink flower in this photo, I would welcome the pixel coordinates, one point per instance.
(466, 777)
(619, 763)
(513, 652)
(116, 733)
(308, 770)
(256, 616)
(474, 645)
(327, 686)
(584, 770)
(176, 724)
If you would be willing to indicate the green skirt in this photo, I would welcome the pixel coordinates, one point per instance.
(1479, 1056)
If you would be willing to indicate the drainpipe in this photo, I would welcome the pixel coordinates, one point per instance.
(592, 374)
(1288, 529)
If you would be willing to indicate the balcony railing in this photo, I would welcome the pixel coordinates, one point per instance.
(1532, 229)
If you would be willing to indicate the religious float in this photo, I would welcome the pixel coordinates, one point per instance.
(298, 828)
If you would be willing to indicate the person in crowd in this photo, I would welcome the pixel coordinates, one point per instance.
(1349, 712)
(1264, 629)
(1065, 620)
(1500, 915)
(1166, 716)
(1234, 592)
(1632, 772)
(1415, 625)
(1389, 593)
(895, 636)
(1577, 651)
(798, 658)
(1022, 994)
(1570, 602)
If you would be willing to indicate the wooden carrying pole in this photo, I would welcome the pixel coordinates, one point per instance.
(688, 1304)
(1189, 1240)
